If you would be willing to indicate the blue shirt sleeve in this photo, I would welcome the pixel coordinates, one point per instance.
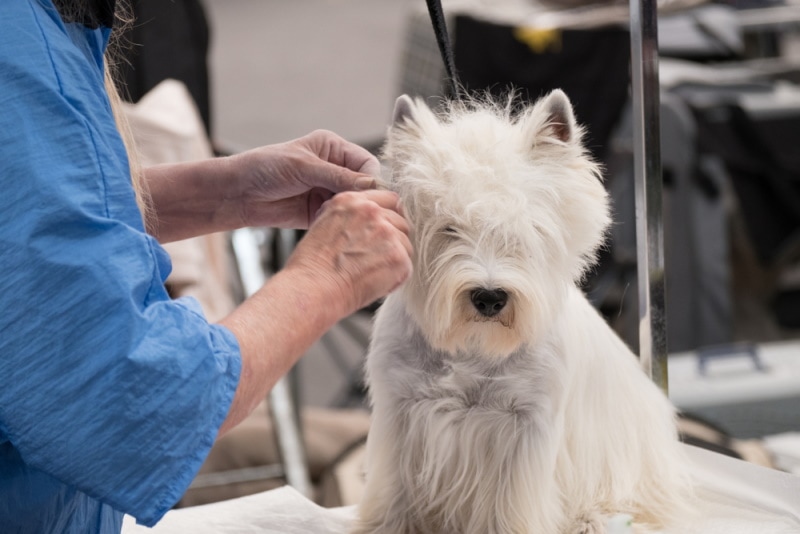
(105, 383)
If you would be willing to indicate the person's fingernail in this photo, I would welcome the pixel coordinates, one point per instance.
(365, 182)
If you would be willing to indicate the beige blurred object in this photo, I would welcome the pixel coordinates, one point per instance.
(702, 434)
(167, 128)
(329, 436)
(342, 484)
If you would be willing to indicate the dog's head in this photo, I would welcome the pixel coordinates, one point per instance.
(506, 209)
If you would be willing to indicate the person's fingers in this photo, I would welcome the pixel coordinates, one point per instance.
(406, 242)
(398, 221)
(316, 199)
(361, 240)
(391, 210)
(336, 179)
(359, 159)
(388, 200)
(354, 168)
(335, 149)
(366, 162)
(385, 199)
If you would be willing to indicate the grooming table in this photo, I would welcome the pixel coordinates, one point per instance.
(735, 498)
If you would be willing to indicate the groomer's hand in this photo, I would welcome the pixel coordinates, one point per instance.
(285, 184)
(357, 251)
(280, 185)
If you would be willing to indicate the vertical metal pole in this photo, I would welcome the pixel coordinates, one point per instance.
(282, 407)
(648, 185)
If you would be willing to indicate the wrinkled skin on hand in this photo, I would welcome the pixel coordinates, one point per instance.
(284, 185)
(358, 249)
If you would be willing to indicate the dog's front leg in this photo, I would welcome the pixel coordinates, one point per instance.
(597, 523)
(379, 517)
(590, 523)
(384, 508)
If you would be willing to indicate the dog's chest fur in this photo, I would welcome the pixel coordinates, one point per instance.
(474, 387)
(520, 386)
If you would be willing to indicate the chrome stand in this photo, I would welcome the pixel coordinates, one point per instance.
(247, 244)
(648, 189)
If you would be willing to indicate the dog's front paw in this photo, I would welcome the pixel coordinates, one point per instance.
(367, 529)
(590, 524)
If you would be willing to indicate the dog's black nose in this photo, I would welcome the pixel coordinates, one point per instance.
(489, 302)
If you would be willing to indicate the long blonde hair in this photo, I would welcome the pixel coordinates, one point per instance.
(80, 10)
(114, 55)
(137, 172)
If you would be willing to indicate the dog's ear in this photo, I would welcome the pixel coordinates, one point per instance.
(560, 124)
(392, 152)
(403, 110)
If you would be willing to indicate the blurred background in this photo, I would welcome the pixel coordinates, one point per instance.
(266, 71)
(281, 69)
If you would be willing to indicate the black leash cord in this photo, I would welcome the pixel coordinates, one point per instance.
(443, 40)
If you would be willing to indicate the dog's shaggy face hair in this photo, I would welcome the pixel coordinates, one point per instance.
(510, 206)
(502, 401)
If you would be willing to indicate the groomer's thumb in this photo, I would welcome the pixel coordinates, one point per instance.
(338, 179)
(364, 182)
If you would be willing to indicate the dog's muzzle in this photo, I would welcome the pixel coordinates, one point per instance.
(489, 302)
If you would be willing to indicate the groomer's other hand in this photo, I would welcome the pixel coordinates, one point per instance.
(285, 184)
(357, 251)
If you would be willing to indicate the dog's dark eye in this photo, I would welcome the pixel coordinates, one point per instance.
(449, 231)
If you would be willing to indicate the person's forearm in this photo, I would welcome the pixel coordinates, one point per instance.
(192, 199)
(275, 327)
(356, 252)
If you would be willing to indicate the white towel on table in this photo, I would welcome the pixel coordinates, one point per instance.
(735, 497)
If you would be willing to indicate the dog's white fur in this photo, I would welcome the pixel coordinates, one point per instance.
(537, 420)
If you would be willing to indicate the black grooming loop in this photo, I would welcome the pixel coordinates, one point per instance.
(445, 46)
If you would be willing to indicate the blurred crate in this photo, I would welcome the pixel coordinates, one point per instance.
(748, 390)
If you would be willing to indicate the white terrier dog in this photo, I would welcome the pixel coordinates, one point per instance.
(502, 402)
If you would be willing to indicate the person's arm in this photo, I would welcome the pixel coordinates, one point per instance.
(191, 199)
(356, 252)
(281, 185)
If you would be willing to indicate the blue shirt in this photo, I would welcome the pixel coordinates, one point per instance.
(111, 394)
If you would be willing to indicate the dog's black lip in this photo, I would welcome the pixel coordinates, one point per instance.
(483, 319)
